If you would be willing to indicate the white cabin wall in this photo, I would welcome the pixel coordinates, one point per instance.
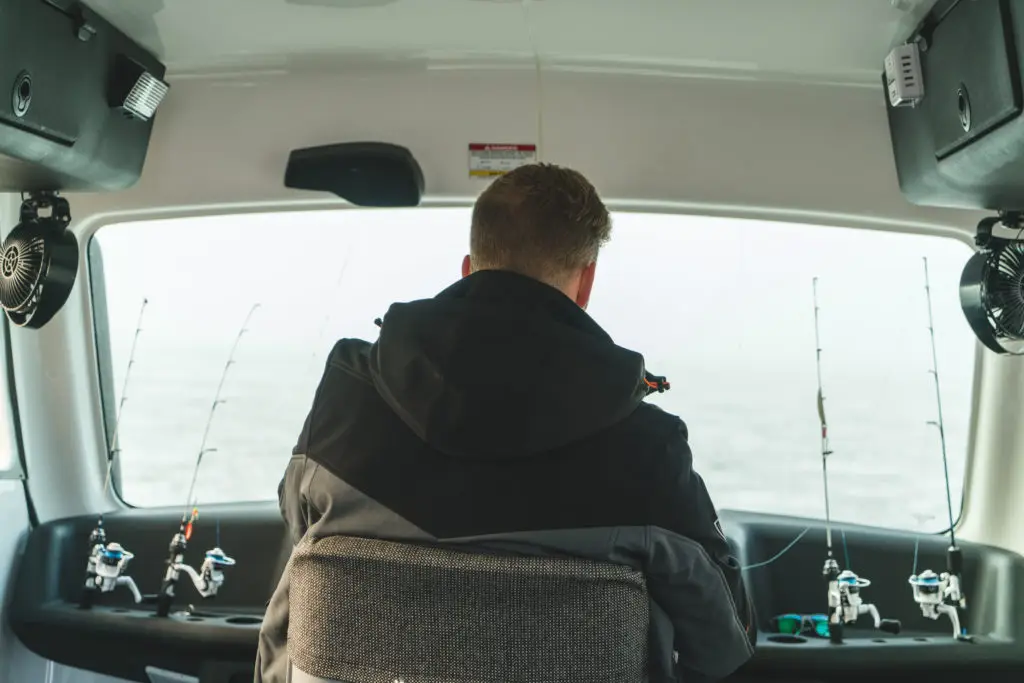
(16, 663)
(747, 145)
(778, 146)
(227, 139)
(994, 505)
(12, 536)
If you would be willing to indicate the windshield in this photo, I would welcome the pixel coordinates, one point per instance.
(722, 307)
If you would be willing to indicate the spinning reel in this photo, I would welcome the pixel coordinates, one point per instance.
(931, 592)
(846, 605)
(210, 576)
(105, 569)
(207, 580)
(942, 594)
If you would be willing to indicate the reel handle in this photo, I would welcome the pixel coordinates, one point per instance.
(835, 633)
(892, 626)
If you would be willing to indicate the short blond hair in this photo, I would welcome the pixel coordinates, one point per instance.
(540, 220)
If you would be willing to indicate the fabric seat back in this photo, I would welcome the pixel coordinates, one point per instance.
(372, 611)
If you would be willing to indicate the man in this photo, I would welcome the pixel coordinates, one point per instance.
(500, 409)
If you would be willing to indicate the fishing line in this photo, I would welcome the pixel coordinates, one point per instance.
(217, 400)
(210, 576)
(335, 292)
(779, 554)
(846, 551)
(941, 594)
(825, 451)
(845, 602)
(115, 446)
(938, 400)
(792, 544)
(107, 563)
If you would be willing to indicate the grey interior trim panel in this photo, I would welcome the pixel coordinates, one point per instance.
(215, 640)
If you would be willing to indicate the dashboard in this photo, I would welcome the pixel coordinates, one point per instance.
(214, 640)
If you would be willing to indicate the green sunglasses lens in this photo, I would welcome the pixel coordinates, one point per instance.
(788, 623)
(820, 622)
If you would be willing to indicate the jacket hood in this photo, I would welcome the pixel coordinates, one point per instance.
(499, 365)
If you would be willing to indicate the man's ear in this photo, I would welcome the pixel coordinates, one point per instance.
(467, 266)
(586, 284)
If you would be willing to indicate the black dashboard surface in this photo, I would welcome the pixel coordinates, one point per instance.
(215, 640)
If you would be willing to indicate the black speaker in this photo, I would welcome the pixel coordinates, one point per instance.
(961, 144)
(38, 262)
(77, 99)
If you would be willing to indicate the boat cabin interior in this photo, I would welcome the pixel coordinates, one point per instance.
(817, 209)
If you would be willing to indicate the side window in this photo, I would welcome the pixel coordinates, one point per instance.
(318, 276)
(722, 307)
(725, 309)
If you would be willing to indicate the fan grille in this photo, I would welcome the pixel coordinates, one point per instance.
(21, 269)
(1005, 291)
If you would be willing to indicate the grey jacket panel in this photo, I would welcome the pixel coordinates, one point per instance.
(272, 665)
(315, 502)
(687, 588)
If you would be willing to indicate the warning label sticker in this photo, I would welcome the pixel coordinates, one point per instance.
(487, 161)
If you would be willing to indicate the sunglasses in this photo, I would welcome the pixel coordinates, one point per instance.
(802, 624)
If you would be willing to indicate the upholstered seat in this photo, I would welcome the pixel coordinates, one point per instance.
(372, 611)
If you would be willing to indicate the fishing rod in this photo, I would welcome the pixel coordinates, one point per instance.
(942, 594)
(845, 603)
(830, 571)
(327, 316)
(825, 450)
(210, 576)
(108, 561)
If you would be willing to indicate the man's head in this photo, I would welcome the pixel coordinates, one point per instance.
(542, 221)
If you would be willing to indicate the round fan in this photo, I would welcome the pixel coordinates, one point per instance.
(21, 269)
(992, 295)
(38, 263)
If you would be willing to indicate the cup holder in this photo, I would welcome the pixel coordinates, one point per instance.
(787, 639)
(244, 620)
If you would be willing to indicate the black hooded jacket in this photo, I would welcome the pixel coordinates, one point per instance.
(499, 412)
